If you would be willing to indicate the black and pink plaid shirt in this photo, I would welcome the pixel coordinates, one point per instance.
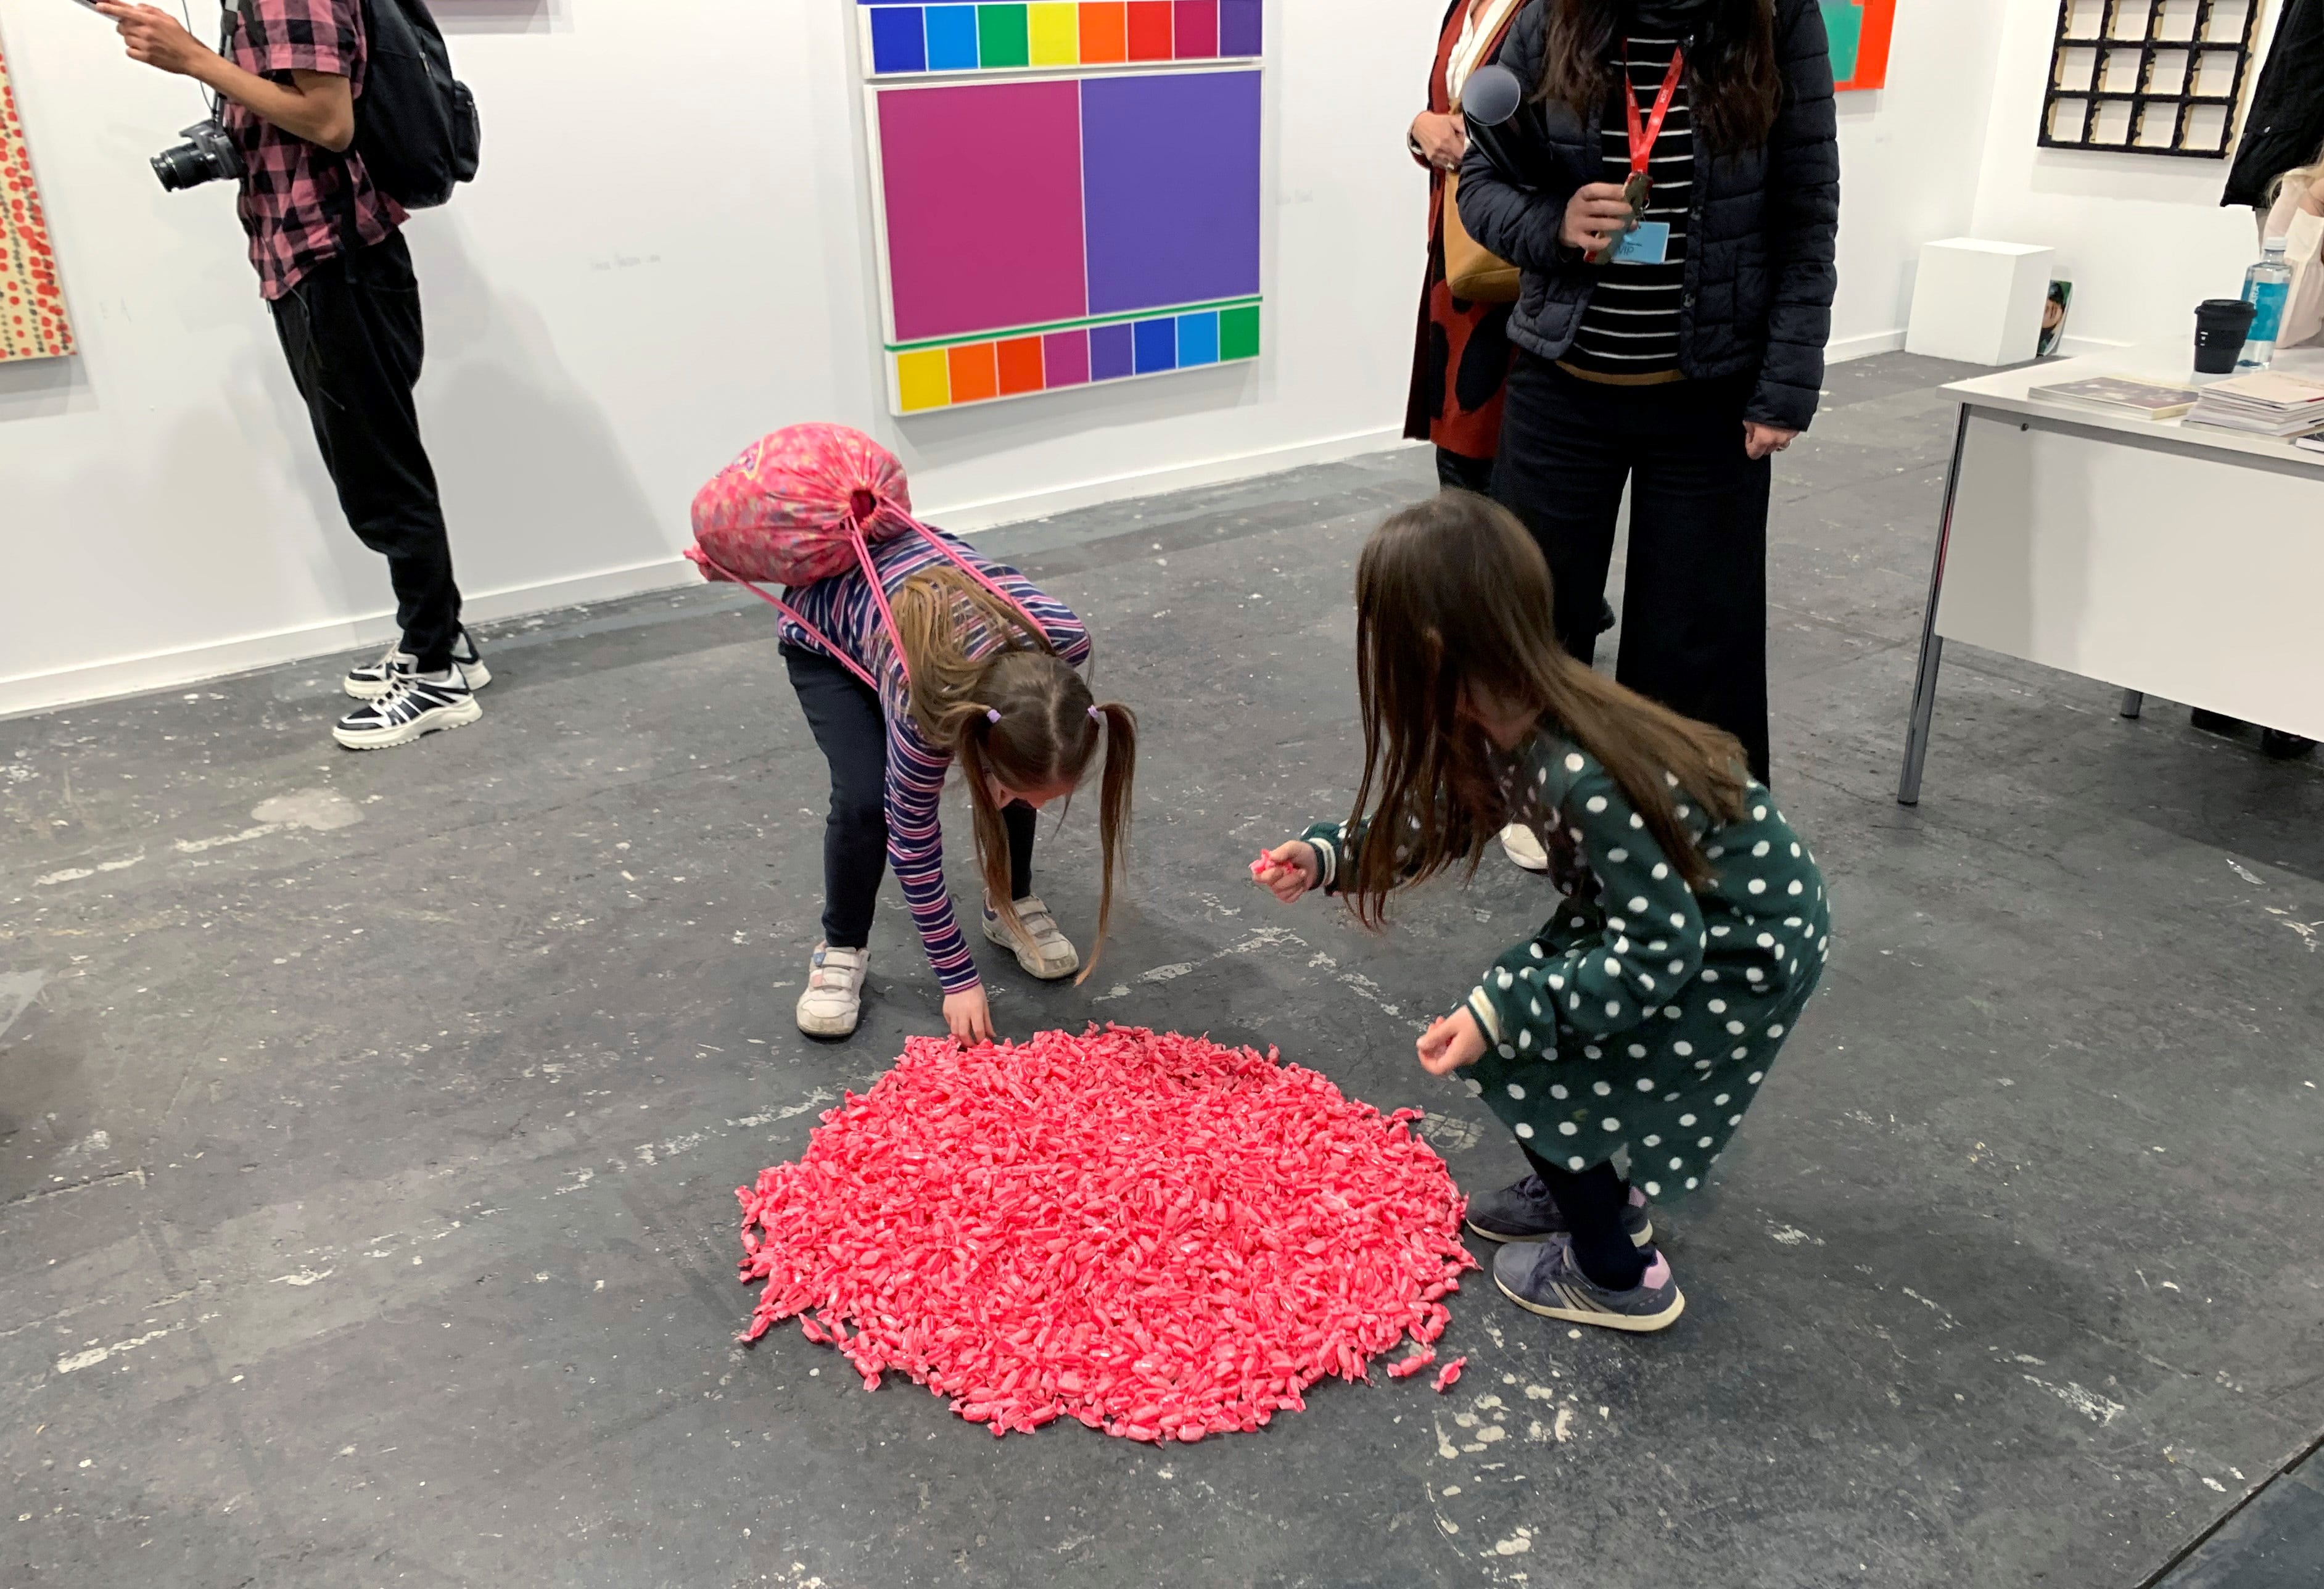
(300, 203)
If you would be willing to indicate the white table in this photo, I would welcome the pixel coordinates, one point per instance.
(2171, 559)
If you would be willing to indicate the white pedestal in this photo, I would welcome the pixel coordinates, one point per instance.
(1980, 302)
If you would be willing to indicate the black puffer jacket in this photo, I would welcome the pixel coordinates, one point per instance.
(1759, 274)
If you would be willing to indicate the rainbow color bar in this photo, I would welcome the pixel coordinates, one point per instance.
(951, 374)
(903, 37)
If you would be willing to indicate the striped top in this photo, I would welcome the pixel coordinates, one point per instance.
(842, 607)
(1631, 326)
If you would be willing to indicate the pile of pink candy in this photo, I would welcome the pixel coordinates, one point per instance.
(1156, 1235)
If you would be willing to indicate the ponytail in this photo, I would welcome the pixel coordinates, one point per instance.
(1019, 717)
(1113, 813)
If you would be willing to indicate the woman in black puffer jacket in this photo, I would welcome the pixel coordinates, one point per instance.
(1674, 345)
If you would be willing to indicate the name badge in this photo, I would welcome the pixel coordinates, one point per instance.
(1647, 244)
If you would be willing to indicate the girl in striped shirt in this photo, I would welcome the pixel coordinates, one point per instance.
(972, 685)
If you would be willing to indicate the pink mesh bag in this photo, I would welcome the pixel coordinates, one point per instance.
(808, 502)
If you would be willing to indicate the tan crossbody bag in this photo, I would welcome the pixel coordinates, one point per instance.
(1472, 270)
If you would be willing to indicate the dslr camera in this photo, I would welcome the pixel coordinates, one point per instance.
(206, 155)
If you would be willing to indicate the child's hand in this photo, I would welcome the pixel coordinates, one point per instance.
(1289, 871)
(1453, 1044)
(968, 1015)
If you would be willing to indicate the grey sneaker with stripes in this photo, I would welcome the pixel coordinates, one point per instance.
(415, 706)
(1525, 1212)
(1543, 1277)
(367, 681)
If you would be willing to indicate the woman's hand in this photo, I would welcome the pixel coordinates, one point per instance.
(1760, 440)
(1442, 140)
(1291, 870)
(1453, 1043)
(969, 1016)
(1597, 215)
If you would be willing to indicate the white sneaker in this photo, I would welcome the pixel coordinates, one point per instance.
(1524, 848)
(1044, 951)
(834, 1000)
(415, 706)
(367, 681)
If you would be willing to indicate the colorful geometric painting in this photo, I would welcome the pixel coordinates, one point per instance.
(1859, 31)
(1043, 232)
(32, 322)
(902, 37)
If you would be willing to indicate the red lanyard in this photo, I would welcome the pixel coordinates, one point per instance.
(1644, 135)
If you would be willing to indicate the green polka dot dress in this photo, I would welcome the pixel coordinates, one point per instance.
(1644, 1015)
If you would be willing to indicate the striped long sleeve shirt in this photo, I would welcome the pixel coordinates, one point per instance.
(1631, 327)
(842, 607)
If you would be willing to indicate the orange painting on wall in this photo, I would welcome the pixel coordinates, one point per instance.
(33, 323)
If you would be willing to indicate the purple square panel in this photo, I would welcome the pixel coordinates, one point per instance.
(1241, 31)
(1112, 353)
(982, 188)
(1066, 354)
(1172, 183)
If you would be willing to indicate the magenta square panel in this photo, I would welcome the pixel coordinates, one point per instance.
(1066, 356)
(983, 188)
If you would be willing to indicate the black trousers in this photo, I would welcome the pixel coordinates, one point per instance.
(1695, 605)
(851, 731)
(351, 330)
(1459, 472)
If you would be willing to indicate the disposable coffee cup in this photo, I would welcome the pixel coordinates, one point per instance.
(2221, 324)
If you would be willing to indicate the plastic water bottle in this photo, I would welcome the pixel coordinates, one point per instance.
(2267, 288)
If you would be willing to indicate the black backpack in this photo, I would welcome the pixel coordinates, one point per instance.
(416, 125)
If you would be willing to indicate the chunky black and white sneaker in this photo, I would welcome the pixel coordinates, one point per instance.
(367, 681)
(415, 706)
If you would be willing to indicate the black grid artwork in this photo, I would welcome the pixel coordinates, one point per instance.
(2149, 76)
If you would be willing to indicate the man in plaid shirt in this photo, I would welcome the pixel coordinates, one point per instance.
(336, 272)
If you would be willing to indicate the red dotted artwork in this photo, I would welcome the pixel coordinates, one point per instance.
(1148, 1234)
(33, 323)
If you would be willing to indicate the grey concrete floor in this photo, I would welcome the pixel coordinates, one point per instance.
(369, 1124)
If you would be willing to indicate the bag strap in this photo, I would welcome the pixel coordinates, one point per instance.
(977, 573)
(796, 617)
(880, 599)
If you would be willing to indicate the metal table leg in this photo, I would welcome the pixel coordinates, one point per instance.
(2134, 702)
(1932, 645)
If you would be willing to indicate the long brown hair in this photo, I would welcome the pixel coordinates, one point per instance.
(1452, 595)
(1734, 86)
(1047, 733)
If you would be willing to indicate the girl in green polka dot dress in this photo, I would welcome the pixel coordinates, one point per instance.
(1645, 1014)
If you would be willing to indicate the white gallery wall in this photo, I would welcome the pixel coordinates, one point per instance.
(1908, 163)
(2142, 238)
(668, 254)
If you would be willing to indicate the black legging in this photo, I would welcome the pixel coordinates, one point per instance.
(851, 731)
(1592, 1201)
(1695, 607)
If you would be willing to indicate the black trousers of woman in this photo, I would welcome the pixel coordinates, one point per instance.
(851, 731)
(1694, 605)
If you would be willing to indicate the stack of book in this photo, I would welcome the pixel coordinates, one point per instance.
(2120, 394)
(2263, 404)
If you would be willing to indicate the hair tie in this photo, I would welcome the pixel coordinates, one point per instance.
(992, 714)
(1096, 715)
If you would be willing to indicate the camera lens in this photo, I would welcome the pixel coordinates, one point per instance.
(180, 167)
